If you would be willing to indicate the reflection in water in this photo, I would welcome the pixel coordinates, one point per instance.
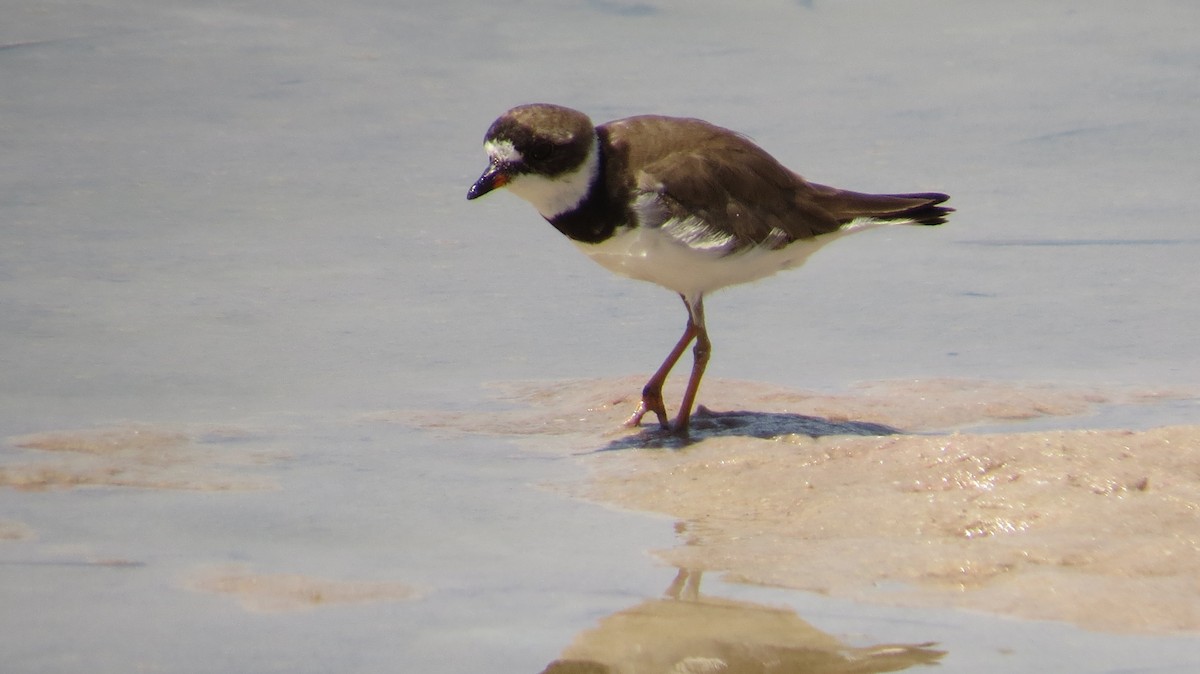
(689, 634)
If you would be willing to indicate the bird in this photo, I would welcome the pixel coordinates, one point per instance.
(680, 202)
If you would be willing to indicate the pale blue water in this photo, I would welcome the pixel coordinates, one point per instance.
(251, 216)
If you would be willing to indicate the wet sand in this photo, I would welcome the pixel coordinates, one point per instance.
(882, 494)
(283, 592)
(138, 455)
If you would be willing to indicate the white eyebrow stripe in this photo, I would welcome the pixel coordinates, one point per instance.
(502, 152)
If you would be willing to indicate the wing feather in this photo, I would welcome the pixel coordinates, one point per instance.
(713, 189)
(721, 193)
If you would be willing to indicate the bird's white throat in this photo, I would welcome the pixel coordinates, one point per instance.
(550, 195)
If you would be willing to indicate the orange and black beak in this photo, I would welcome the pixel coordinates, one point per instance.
(497, 175)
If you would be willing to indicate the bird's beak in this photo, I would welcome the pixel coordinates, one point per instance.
(494, 177)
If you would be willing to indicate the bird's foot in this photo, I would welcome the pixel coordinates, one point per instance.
(677, 428)
(649, 404)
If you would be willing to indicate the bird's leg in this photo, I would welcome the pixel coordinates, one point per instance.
(699, 360)
(652, 400)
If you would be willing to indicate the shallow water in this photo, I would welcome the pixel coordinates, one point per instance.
(236, 242)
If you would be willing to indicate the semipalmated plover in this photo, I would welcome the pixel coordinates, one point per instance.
(679, 202)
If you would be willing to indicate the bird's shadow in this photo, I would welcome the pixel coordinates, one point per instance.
(763, 425)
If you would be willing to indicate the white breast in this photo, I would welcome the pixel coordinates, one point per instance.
(650, 254)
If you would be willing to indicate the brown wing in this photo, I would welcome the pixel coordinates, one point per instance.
(722, 191)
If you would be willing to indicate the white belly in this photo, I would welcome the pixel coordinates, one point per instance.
(651, 255)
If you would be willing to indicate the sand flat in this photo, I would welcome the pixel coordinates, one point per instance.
(145, 456)
(1098, 528)
(259, 592)
(883, 494)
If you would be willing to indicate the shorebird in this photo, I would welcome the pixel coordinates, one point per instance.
(679, 202)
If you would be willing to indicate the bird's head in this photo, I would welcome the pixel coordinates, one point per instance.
(545, 154)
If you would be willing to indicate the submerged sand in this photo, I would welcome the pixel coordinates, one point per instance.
(286, 592)
(138, 456)
(883, 494)
(209, 459)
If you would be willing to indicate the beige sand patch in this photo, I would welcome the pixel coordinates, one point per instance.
(280, 592)
(11, 530)
(138, 455)
(1100, 528)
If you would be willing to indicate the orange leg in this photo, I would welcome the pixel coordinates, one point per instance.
(700, 356)
(652, 400)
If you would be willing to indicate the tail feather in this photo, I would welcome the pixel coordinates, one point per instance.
(923, 208)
